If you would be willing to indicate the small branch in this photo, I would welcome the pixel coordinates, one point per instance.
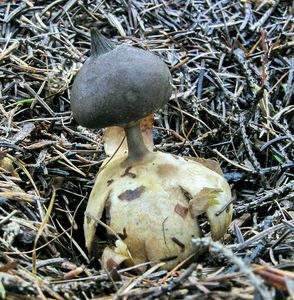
(219, 248)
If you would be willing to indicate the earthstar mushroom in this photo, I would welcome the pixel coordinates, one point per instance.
(151, 199)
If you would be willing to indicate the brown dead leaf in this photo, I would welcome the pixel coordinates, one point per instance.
(130, 195)
(274, 276)
(40, 144)
(73, 273)
(181, 210)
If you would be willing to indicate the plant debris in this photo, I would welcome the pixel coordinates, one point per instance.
(232, 65)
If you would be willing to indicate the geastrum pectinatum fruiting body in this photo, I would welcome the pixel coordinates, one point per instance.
(150, 200)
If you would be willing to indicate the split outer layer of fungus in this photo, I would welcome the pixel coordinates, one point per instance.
(152, 199)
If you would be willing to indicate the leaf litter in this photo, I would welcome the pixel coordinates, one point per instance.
(232, 65)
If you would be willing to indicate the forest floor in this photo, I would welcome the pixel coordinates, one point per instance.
(232, 65)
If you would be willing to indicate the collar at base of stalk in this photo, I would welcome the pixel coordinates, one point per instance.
(137, 150)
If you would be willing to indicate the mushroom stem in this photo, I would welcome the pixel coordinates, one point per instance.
(137, 149)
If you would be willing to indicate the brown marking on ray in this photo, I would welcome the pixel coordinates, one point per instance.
(107, 201)
(179, 243)
(130, 195)
(187, 195)
(229, 207)
(123, 235)
(181, 210)
(107, 207)
(109, 182)
(169, 258)
(128, 173)
(166, 169)
(111, 264)
(107, 215)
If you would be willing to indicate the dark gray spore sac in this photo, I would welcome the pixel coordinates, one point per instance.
(119, 86)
